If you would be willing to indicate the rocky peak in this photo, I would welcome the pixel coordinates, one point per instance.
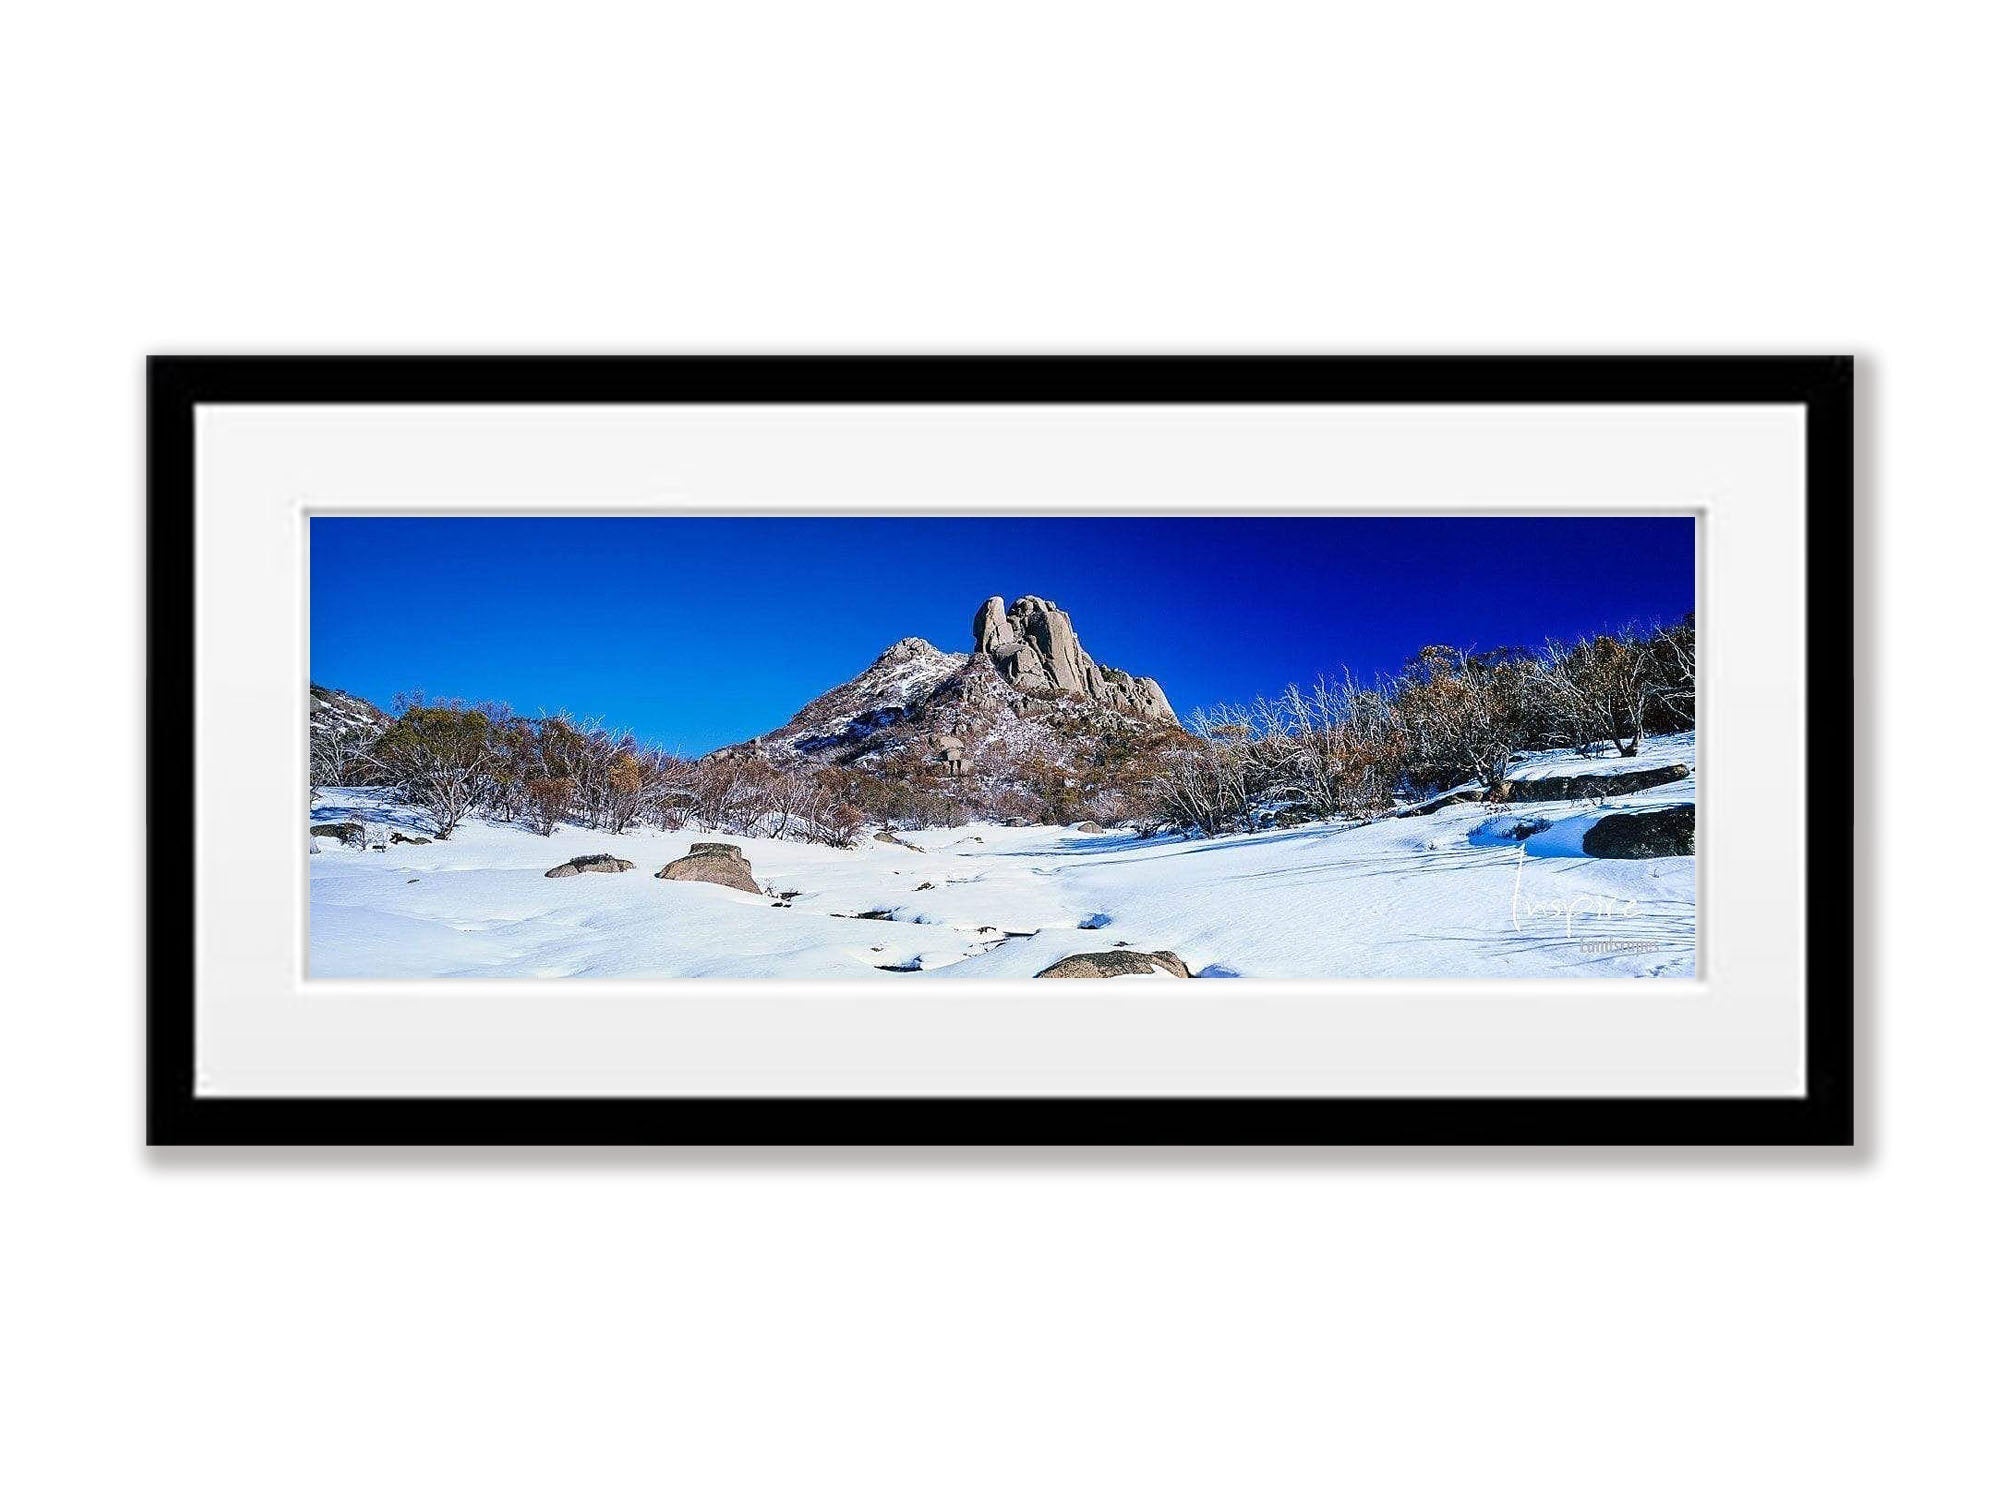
(1034, 646)
(884, 695)
(914, 648)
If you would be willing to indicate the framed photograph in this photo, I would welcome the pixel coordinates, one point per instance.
(713, 751)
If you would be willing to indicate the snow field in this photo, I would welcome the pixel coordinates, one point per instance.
(1452, 895)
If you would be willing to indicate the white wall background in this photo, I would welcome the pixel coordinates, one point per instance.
(1038, 177)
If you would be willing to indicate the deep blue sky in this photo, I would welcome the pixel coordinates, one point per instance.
(699, 632)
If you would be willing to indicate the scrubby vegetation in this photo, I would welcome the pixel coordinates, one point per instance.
(451, 758)
(1337, 749)
(1448, 718)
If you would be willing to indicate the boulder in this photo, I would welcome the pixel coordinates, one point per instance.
(1449, 799)
(589, 864)
(350, 834)
(717, 864)
(1086, 826)
(1115, 964)
(1656, 833)
(407, 838)
(1590, 784)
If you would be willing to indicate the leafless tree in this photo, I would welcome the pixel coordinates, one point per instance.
(1608, 687)
(337, 756)
(1206, 782)
(547, 799)
(1466, 716)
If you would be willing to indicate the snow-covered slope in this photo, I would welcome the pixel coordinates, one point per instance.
(883, 695)
(1452, 895)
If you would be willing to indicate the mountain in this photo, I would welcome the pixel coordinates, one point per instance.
(1026, 692)
(1026, 704)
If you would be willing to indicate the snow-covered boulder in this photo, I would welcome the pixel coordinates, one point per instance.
(1655, 834)
(717, 864)
(1596, 784)
(1438, 804)
(590, 864)
(350, 834)
(1116, 963)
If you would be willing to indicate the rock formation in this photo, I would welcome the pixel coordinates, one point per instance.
(1034, 645)
(1657, 833)
(1027, 695)
(717, 864)
(1600, 784)
(1117, 963)
(589, 864)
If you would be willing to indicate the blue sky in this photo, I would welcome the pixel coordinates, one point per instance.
(698, 632)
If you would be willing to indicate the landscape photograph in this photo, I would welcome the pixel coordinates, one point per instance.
(1002, 747)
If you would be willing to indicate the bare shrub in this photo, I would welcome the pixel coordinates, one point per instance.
(546, 799)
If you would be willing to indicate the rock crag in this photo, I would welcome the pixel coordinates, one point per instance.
(1027, 694)
(1035, 646)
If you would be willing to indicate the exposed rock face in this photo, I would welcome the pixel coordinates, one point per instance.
(1654, 834)
(589, 864)
(1115, 964)
(1035, 647)
(1028, 698)
(950, 751)
(717, 864)
(1602, 784)
(1555, 789)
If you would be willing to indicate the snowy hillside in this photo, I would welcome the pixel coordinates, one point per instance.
(884, 695)
(1469, 891)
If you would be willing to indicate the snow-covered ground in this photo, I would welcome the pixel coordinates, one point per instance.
(1453, 895)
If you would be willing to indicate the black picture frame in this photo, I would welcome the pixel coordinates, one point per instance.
(1824, 1115)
